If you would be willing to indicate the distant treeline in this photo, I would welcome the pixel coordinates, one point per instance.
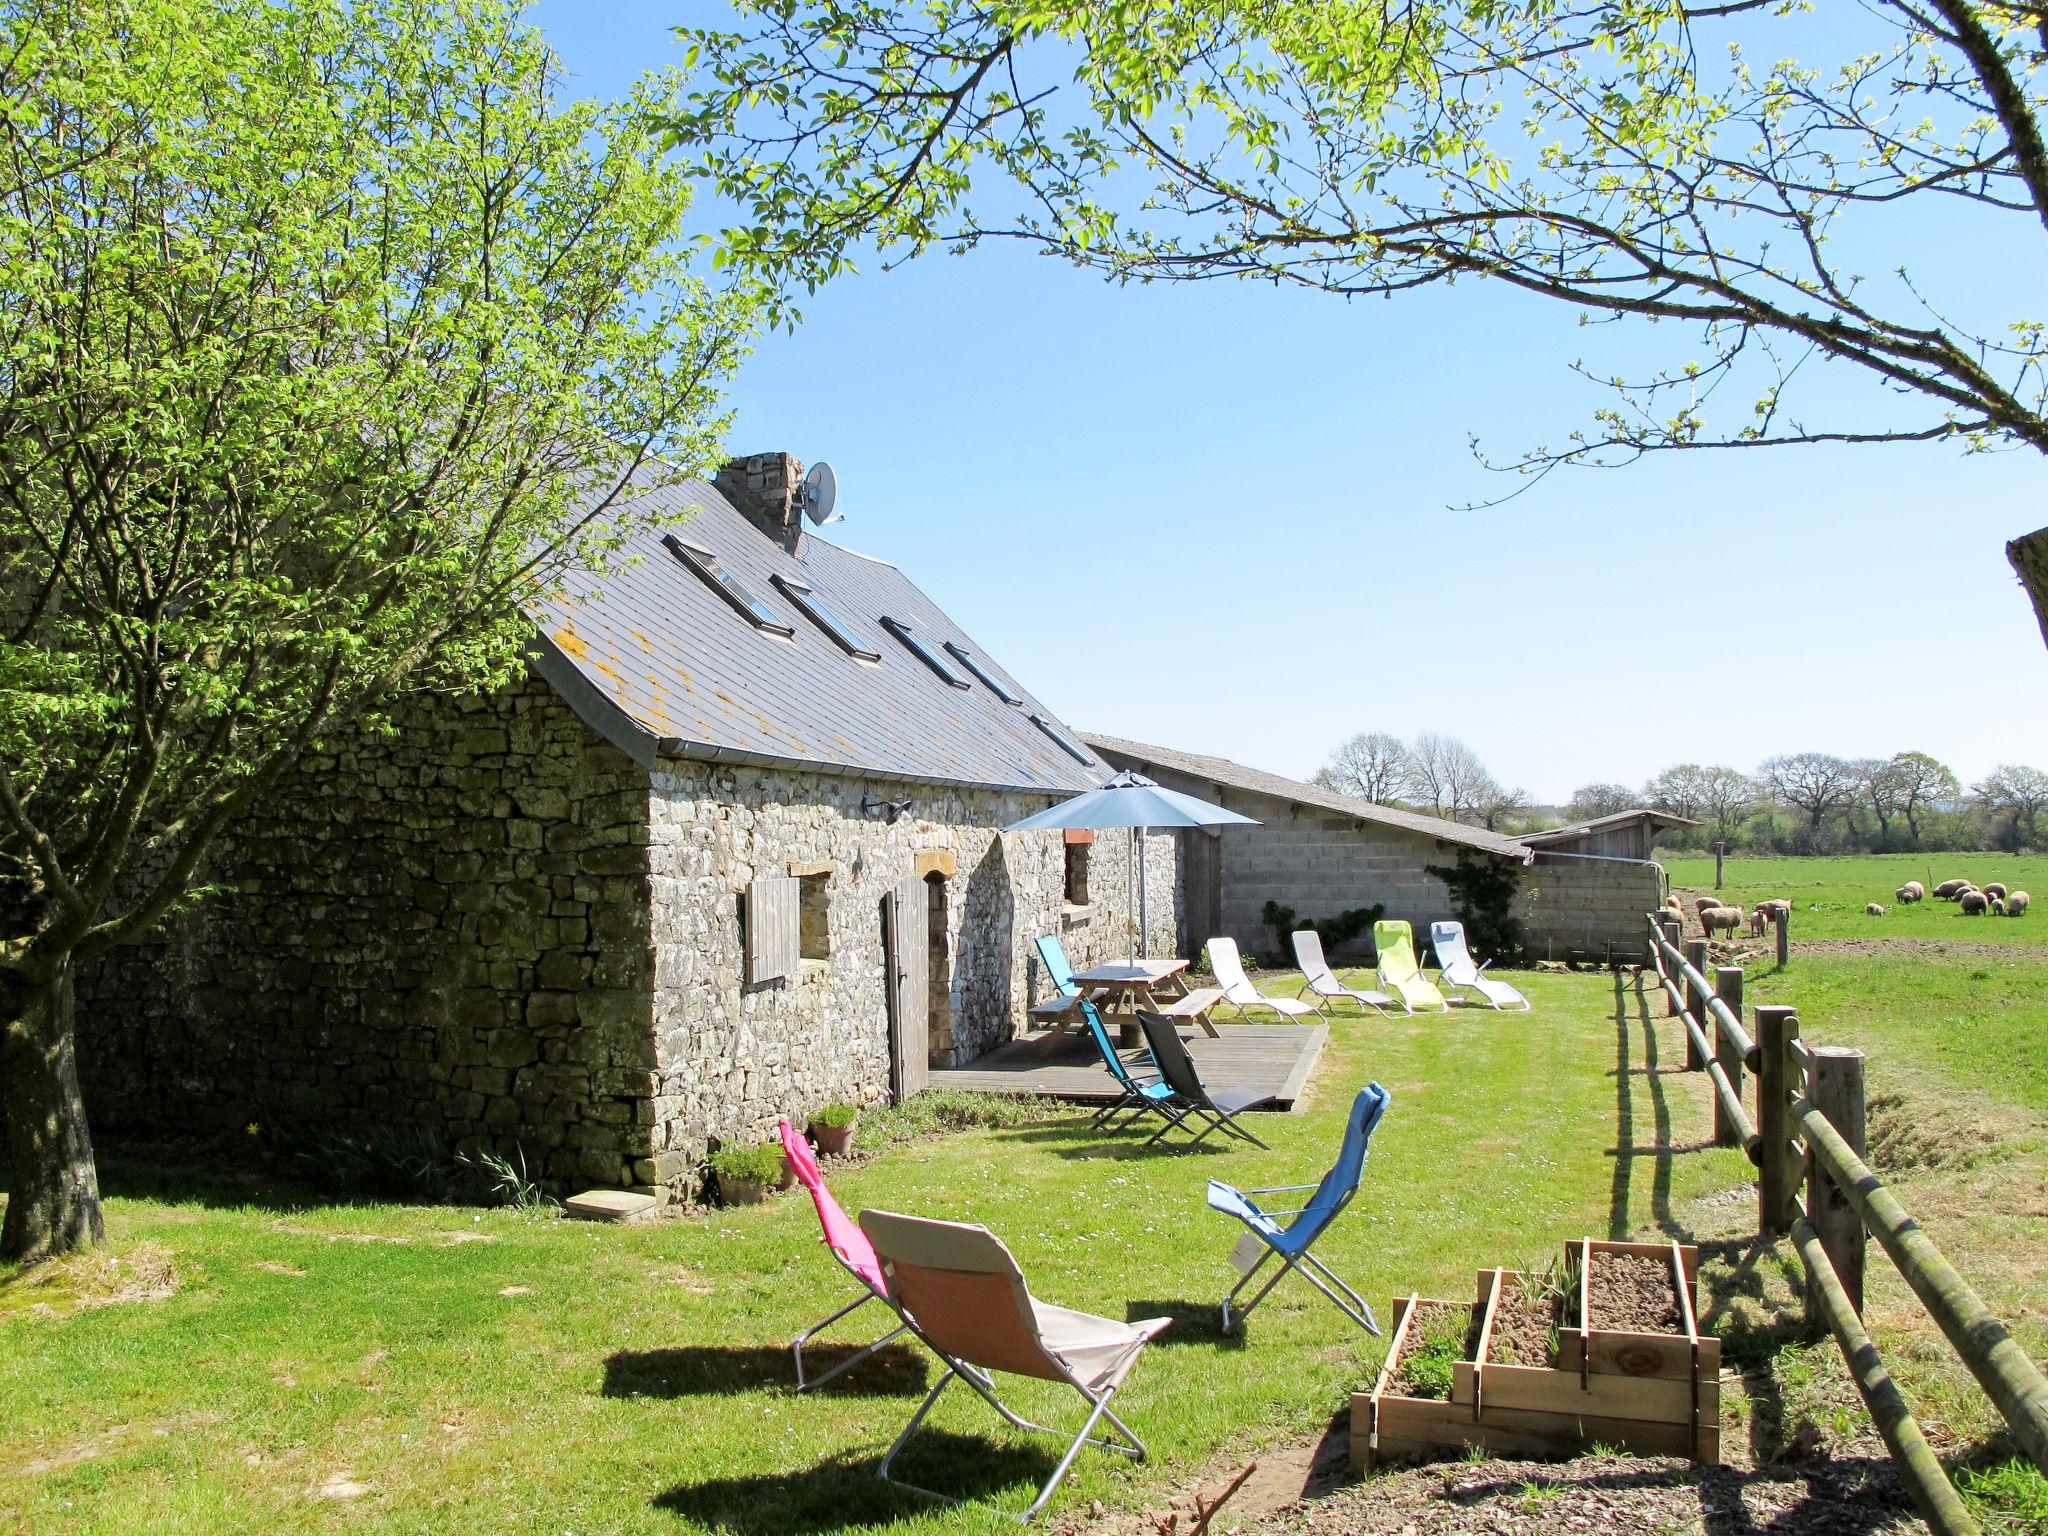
(1803, 802)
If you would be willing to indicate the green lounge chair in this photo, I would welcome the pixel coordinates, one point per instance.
(1400, 972)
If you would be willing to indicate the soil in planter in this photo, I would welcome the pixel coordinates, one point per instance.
(1523, 1333)
(1438, 1336)
(1632, 1294)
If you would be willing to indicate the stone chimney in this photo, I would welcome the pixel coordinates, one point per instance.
(764, 487)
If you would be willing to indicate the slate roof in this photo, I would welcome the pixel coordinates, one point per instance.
(658, 662)
(1221, 770)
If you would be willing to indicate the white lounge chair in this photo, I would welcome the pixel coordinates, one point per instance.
(1321, 980)
(1454, 960)
(964, 1295)
(1238, 990)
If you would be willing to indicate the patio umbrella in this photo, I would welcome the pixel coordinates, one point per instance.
(1134, 801)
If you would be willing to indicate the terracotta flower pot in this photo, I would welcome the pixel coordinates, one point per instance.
(741, 1191)
(788, 1174)
(834, 1140)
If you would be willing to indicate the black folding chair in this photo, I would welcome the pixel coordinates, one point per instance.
(1220, 1108)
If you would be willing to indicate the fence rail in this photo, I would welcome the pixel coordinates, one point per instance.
(1807, 1130)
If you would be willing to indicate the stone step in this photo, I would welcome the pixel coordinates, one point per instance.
(618, 1205)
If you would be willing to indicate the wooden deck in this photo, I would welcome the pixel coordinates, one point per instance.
(1277, 1058)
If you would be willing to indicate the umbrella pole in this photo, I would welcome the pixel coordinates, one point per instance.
(1131, 906)
(1144, 897)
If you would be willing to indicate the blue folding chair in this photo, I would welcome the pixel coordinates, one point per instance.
(1291, 1243)
(1141, 1095)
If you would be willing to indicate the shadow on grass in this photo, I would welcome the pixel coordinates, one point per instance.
(212, 1178)
(844, 1492)
(1084, 1145)
(705, 1370)
(1194, 1322)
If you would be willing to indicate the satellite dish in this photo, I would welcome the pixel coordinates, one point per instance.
(821, 489)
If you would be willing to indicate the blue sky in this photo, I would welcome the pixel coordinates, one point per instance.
(1219, 516)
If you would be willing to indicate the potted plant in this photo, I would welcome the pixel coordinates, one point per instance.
(746, 1174)
(832, 1128)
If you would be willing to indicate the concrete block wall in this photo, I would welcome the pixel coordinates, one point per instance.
(1319, 863)
(1568, 904)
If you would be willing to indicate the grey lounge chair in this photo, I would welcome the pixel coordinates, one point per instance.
(1220, 1107)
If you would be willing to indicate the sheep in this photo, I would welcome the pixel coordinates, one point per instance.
(1759, 920)
(1704, 905)
(1974, 903)
(1995, 889)
(1720, 917)
(2017, 903)
(1949, 890)
(1776, 906)
(1911, 892)
(1998, 906)
(1873, 910)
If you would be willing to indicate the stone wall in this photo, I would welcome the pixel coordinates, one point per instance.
(492, 925)
(732, 1057)
(445, 928)
(1570, 904)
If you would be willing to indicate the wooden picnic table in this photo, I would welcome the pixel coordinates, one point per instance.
(1156, 986)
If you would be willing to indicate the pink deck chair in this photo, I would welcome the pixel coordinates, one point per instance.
(847, 1244)
(963, 1294)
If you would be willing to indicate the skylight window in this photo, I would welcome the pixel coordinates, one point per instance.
(988, 679)
(924, 653)
(1067, 743)
(808, 598)
(727, 586)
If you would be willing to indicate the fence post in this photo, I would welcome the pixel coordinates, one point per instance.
(1834, 1083)
(1782, 921)
(1695, 1004)
(1776, 1029)
(1727, 987)
(1672, 931)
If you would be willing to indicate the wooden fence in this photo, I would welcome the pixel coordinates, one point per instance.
(1807, 1132)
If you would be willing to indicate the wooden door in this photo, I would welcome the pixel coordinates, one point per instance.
(1201, 873)
(906, 967)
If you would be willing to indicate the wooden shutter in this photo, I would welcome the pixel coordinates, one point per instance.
(772, 928)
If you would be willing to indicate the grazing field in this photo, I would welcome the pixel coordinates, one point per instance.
(378, 1368)
(1830, 894)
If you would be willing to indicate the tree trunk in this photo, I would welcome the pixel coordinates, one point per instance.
(2029, 557)
(53, 1202)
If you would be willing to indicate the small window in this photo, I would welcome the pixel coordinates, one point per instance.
(924, 653)
(1077, 874)
(808, 598)
(814, 917)
(727, 586)
(988, 679)
(1067, 743)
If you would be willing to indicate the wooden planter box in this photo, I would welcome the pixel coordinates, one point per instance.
(1652, 1394)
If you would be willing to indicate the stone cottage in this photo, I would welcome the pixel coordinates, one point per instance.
(731, 850)
(1323, 853)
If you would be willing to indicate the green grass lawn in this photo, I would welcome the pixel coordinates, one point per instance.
(1829, 895)
(388, 1368)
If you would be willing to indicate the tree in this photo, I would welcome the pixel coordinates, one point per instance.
(1627, 160)
(1589, 802)
(1815, 782)
(1922, 782)
(1494, 806)
(1726, 797)
(328, 335)
(1448, 774)
(1678, 790)
(2019, 793)
(1372, 765)
(1873, 786)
